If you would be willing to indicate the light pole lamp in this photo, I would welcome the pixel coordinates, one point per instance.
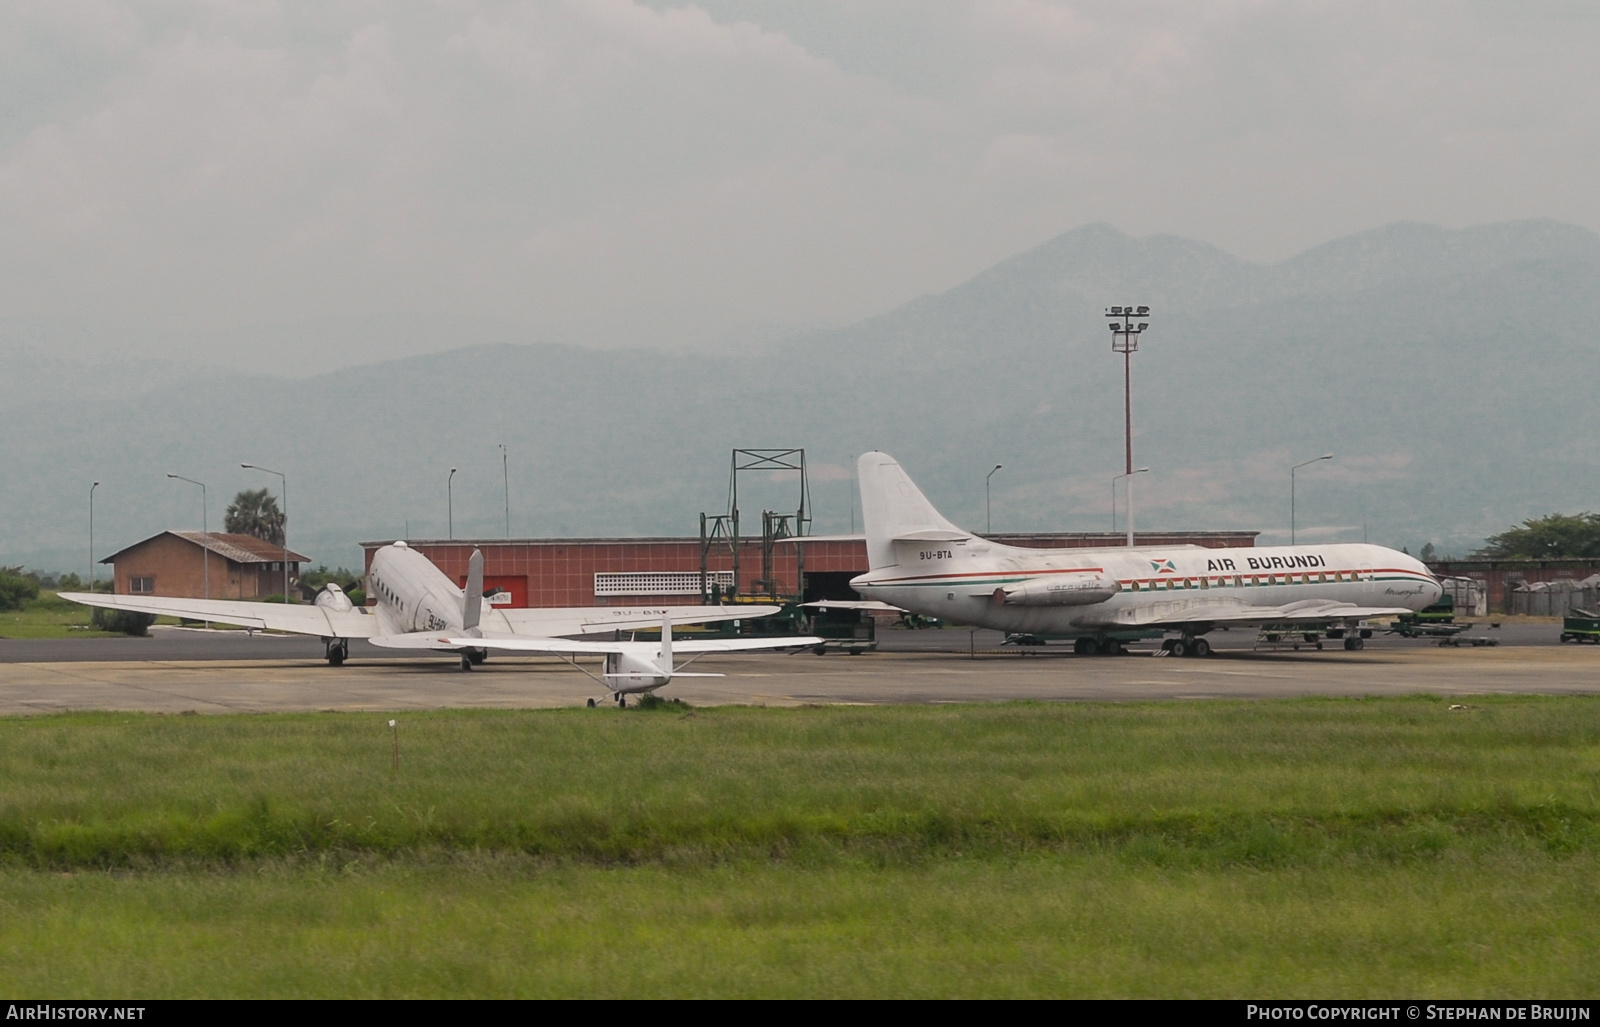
(205, 531)
(1125, 332)
(988, 525)
(91, 536)
(285, 479)
(1114, 480)
(1296, 467)
(450, 503)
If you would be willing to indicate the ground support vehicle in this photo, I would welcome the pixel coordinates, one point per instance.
(1581, 626)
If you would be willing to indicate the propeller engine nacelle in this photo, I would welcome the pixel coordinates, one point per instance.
(1058, 590)
(332, 597)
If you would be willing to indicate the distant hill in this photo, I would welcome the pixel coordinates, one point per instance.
(1449, 371)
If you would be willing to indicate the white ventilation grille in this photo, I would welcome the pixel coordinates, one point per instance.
(658, 583)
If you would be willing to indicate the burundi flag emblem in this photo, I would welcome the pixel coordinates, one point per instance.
(1163, 567)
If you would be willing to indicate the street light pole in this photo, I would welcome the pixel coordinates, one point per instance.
(1125, 332)
(450, 499)
(285, 479)
(1296, 467)
(505, 473)
(988, 525)
(205, 531)
(1114, 480)
(91, 536)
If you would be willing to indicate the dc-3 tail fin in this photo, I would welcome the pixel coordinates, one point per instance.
(472, 601)
(892, 507)
(664, 660)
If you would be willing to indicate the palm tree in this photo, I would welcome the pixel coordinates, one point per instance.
(253, 512)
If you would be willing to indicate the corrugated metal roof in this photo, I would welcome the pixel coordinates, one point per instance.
(238, 548)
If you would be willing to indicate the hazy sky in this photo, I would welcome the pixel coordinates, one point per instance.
(305, 185)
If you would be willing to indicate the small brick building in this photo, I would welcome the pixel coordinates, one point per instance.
(630, 571)
(178, 563)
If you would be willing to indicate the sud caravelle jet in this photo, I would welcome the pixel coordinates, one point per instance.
(419, 608)
(921, 562)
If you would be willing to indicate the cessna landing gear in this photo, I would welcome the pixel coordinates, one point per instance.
(338, 650)
(591, 704)
(622, 700)
(1354, 642)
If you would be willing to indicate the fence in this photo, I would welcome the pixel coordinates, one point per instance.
(1553, 600)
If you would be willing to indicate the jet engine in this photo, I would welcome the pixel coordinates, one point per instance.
(1058, 590)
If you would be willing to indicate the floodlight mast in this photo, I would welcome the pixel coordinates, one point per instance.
(1125, 332)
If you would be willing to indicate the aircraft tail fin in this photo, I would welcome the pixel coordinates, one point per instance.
(665, 660)
(472, 601)
(892, 507)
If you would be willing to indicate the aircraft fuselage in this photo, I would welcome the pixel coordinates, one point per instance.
(958, 581)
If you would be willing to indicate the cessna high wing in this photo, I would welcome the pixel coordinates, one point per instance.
(416, 607)
(630, 667)
(921, 562)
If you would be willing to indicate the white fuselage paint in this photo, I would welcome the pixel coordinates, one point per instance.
(414, 595)
(955, 580)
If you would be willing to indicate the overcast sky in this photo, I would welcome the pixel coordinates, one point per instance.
(305, 185)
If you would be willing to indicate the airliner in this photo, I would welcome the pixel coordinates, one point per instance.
(923, 563)
(417, 607)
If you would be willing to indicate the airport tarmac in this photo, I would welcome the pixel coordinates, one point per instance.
(775, 679)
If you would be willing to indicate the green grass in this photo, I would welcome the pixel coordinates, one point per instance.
(1309, 847)
(49, 616)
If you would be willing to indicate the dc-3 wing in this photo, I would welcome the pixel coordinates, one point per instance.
(587, 620)
(329, 623)
(300, 620)
(1184, 613)
(513, 643)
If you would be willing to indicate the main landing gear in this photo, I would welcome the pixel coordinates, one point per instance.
(337, 651)
(1354, 643)
(1098, 647)
(1186, 646)
(472, 657)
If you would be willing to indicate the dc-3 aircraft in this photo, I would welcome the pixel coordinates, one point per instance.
(419, 608)
(922, 563)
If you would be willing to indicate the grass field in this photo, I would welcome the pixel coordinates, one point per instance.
(48, 616)
(1308, 847)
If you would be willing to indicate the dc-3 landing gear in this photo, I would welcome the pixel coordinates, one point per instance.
(1188, 645)
(337, 651)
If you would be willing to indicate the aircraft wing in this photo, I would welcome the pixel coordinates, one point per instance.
(1222, 612)
(586, 620)
(300, 620)
(430, 640)
(853, 604)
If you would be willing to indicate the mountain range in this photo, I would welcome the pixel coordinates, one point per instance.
(1447, 371)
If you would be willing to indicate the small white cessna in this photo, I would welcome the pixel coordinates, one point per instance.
(630, 667)
(419, 608)
(921, 562)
